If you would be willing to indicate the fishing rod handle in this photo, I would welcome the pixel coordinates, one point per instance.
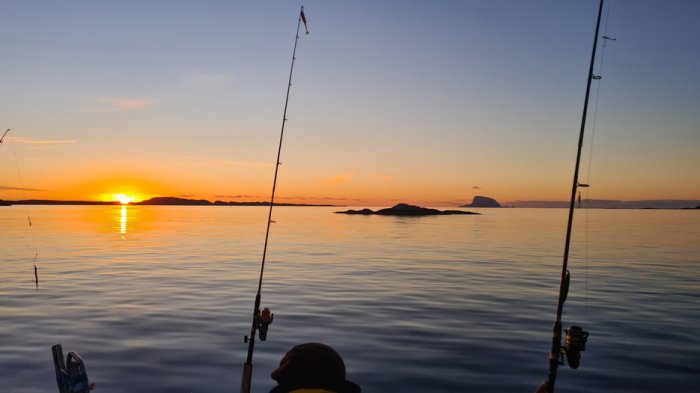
(247, 377)
(554, 356)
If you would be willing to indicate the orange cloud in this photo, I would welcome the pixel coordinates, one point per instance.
(129, 104)
(341, 178)
(30, 141)
(6, 188)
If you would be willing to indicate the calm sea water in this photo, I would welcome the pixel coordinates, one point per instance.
(157, 299)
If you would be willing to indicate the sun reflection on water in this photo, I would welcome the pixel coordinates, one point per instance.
(123, 221)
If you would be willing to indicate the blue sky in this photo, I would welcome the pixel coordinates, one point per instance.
(393, 100)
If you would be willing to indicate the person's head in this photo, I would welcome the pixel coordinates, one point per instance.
(313, 365)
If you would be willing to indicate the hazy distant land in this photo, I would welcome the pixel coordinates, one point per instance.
(612, 204)
(477, 202)
(484, 201)
(157, 201)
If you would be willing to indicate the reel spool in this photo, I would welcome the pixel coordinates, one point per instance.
(262, 322)
(576, 339)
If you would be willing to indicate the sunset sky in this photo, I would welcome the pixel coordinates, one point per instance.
(423, 102)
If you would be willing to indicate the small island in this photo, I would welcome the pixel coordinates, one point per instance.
(403, 209)
(483, 201)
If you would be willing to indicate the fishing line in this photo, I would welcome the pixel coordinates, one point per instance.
(52, 313)
(594, 123)
(30, 238)
(598, 78)
(576, 337)
(30, 232)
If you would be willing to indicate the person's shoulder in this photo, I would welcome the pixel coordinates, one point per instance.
(282, 389)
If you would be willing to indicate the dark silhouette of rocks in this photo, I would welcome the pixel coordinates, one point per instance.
(403, 209)
(157, 201)
(174, 201)
(482, 201)
(365, 212)
(52, 202)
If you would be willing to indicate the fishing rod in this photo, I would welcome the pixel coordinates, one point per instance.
(263, 319)
(576, 337)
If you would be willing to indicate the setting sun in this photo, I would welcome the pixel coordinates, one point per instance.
(123, 199)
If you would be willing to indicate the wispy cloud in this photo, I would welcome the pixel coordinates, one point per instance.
(340, 178)
(237, 196)
(293, 197)
(362, 200)
(6, 188)
(45, 142)
(128, 104)
(456, 202)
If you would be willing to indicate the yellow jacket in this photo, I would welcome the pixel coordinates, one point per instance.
(311, 391)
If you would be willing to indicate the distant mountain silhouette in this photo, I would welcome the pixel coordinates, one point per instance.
(173, 201)
(403, 209)
(589, 203)
(482, 201)
(157, 201)
(52, 202)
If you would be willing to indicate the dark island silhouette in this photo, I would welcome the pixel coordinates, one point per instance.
(157, 201)
(54, 202)
(403, 209)
(482, 201)
(174, 201)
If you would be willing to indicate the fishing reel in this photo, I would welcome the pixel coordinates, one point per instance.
(576, 339)
(262, 321)
(70, 374)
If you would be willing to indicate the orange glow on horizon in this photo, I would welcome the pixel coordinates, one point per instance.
(123, 199)
(122, 188)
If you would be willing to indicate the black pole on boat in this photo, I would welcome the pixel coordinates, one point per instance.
(262, 319)
(576, 337)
